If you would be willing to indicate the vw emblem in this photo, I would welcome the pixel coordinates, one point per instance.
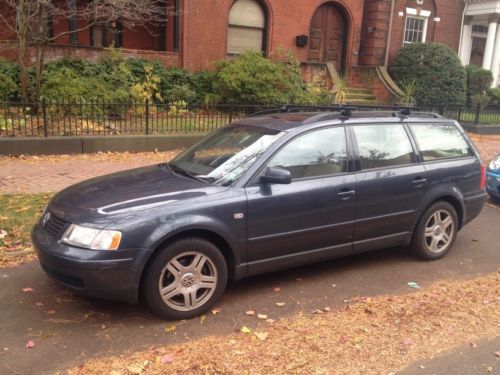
(45, 219)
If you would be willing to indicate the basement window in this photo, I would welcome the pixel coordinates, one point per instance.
(106, 34)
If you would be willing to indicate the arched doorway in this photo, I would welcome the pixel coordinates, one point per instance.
(328, 35)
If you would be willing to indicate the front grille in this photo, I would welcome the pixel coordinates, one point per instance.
(54, 225)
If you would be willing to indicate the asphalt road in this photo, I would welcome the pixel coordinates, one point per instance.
(68, 329)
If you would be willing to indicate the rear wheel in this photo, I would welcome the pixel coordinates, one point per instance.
(435, 232)
(185, 279)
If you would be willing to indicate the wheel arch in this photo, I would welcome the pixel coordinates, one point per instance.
(457, 205)
(206, 234)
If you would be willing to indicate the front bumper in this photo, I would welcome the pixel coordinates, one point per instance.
(493, 184)
(111, 275)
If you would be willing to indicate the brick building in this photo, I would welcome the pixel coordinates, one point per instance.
(351, 37)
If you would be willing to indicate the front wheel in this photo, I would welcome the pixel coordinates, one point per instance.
(436, 231)
(185, 279)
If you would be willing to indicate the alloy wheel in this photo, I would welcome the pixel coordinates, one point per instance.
(188, 281)
(439, 231)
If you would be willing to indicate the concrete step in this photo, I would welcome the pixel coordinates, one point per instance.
(355, 95)
(359, 90)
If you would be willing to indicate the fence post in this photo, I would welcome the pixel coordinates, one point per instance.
(147, 116)
(44, 118)
(478, 113)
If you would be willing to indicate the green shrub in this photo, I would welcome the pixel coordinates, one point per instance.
(478, 82)
(252, 79)
(9, 80)
(494, 95)
(436, 70)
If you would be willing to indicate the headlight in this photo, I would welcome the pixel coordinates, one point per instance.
(91, 238)
(495, 163)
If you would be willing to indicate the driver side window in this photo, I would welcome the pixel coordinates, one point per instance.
(317, 153)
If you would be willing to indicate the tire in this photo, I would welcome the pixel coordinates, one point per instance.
(189, 289)
(436, 231)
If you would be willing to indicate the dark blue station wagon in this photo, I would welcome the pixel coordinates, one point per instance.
(263, 193)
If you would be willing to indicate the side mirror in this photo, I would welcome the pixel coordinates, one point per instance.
(276, 176)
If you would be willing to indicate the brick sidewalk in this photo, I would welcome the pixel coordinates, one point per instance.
(53, 173)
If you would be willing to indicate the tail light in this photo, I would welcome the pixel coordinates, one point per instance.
(483, 177)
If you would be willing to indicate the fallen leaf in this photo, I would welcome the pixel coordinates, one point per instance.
(261, 335)
(245, 330)
(280, 304)
(250, 313)
(3, 233)
(270, 321)
(30, 344)
(216, 310)
(422, 367)
(135, 369)
(166, 359)
(327, 309)
(262, 316)
(28, 290)
(238, 352)
(170, 328)
(202, 318)
(497, 354)
(407, 341)
(317, 311)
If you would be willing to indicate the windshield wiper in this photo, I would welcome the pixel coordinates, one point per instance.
(174, 168)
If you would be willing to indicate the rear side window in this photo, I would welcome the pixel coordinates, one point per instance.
(383, 145)
(440, 141)
(318, 153)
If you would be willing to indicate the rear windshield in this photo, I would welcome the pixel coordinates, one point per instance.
(440, 141)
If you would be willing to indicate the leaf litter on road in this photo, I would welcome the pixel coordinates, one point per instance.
(404, 328)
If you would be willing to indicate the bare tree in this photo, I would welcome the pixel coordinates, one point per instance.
(29, 21)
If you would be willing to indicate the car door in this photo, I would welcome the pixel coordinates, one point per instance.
(314, 213)
(389, 185)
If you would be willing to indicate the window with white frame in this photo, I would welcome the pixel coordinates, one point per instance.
(416, 25)
(247, 27)
(415, 29)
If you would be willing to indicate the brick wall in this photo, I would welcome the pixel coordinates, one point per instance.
(204, 30)
(205, 27)
(376, 21)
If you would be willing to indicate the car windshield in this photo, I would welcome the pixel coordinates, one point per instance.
(224, 156)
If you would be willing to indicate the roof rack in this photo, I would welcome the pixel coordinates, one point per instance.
(407, 112)
(289, 108)
(343, 112)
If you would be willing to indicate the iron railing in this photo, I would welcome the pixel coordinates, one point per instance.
(86, 118)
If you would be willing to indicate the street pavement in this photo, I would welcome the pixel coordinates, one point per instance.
(68, 329)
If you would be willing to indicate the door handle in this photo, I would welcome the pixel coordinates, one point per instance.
(419, 181)
(346, 194)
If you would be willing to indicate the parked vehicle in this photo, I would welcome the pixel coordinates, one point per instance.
(493, 179)
(264, 193)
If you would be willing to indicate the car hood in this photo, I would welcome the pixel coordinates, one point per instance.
(126, 192)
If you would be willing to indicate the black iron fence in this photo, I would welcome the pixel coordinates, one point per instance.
(87, 118)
